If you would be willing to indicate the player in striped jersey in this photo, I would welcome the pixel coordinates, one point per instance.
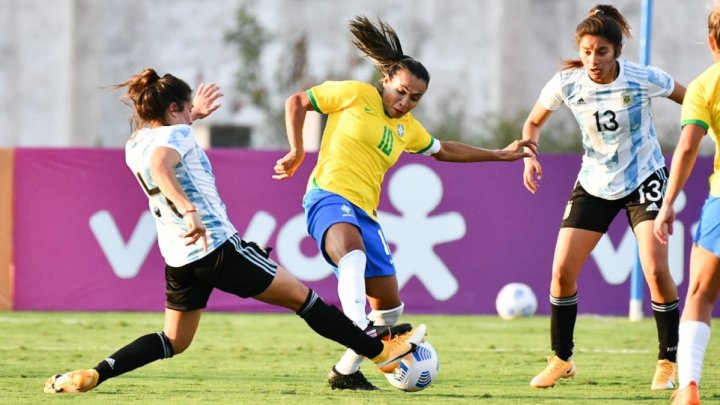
(700, 114)
(367, 131)
(201, 247)
(622, 168)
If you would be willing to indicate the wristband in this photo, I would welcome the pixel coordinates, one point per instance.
(190, 210)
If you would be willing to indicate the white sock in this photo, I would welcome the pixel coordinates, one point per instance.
(388, 317)
(351, 290)
(694, 338)
(351, 287)
(349, 362)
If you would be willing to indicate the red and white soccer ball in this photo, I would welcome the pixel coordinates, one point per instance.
(516, 300)
(417, 370)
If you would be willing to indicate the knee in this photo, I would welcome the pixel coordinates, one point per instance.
(704, 296)
(180, 345)
(658, 275)
(342, 239)
(563, 281)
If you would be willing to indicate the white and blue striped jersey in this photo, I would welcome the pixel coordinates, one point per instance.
(621, 149)
(195, 176)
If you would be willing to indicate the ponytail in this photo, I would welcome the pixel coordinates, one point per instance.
(603, 21)
(150, 95)
(382, 45)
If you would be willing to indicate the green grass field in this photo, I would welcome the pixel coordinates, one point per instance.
(247, 358)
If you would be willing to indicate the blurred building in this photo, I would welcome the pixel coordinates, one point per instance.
(488, 59)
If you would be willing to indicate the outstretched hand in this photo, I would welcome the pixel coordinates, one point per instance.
(286, 166)
(516, 150)
(205, 99)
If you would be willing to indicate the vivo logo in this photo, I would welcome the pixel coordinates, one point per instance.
(414, 190)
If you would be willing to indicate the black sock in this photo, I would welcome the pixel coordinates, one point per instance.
(332, 324)
(667, 319)
(562, 324)
(142, 351)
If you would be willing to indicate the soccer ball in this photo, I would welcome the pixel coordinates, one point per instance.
(417, 370)
(516, 300)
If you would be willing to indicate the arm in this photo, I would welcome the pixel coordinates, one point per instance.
(204, 102)
(531, 132)
(295, 108)
(460, 152)
(678, 93)
(683, 162)
(162, 170)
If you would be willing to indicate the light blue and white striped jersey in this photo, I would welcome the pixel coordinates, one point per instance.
(619, 139)
(197, 180)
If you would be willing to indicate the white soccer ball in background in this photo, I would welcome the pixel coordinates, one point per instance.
(417, 370)
(516, 300)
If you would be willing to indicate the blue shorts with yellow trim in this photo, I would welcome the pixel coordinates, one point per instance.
(323, 209)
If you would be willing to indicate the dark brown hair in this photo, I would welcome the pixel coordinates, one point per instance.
(381, 44)
(150, 95)
(602, 21)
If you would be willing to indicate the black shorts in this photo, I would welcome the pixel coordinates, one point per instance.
(585, 211)
(237, 267)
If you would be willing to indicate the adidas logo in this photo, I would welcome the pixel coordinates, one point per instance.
(111, 362)
(652, 207)
(581, 101)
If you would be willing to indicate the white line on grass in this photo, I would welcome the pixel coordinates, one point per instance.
(598, 350)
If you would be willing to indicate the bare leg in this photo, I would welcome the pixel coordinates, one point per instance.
(383, 292)
(654, 260)
(180, 327)
(703, 287)
(285, 291)
(571, 252)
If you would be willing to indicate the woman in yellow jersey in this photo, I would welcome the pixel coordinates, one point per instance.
(700, 113)
(367, 130)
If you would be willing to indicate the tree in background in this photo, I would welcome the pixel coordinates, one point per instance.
(267, 94)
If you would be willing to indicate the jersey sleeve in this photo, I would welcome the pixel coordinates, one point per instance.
(421, 141)
(551, 96)
(178, 137)
(695, 109)
(333, 96)
(660, 83)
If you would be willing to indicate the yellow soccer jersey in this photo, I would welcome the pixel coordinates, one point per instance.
(702, 107)
(360, 142)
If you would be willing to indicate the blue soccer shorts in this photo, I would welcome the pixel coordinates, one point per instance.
(708, 230)
(323, 209)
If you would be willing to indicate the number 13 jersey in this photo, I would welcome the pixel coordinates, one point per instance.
(621, 148)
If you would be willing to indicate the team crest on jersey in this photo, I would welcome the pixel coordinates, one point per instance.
(627, 98)
(347, 211)
(401, 130)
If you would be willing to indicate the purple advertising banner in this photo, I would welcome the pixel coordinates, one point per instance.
(85, 240)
